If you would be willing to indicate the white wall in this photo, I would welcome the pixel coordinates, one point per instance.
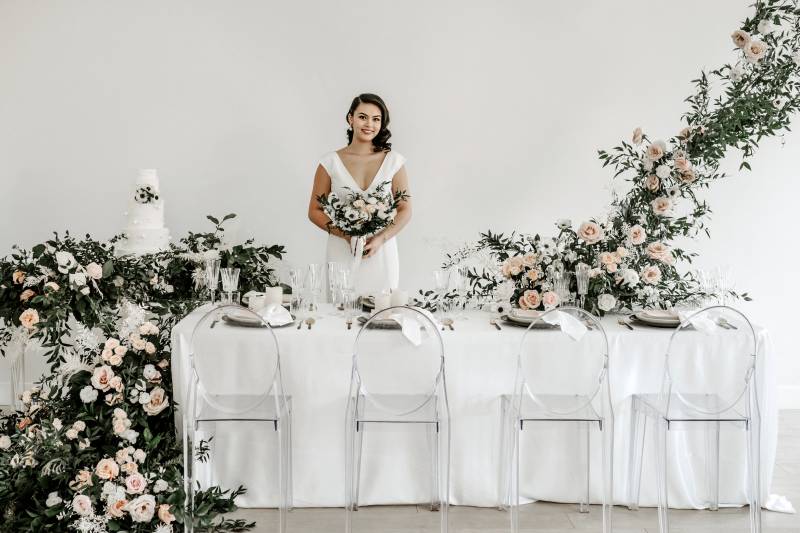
(499, 107)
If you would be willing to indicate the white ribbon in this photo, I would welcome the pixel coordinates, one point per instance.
(357, 249)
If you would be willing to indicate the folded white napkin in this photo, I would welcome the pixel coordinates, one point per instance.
(411, 324)
(276, 315)
(570, 325)
(778, 503)
(703, 322)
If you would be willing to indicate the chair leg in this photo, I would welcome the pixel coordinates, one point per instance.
(712, 464)
(753, 435)
(283, 473)
(359, 446)
(607, 448)
(504, 479)
(290, 481)
(443, 468)
(636, 455)
(433, 448)
(349, 469)
(585, 452)
(663, 500)
(514, 500)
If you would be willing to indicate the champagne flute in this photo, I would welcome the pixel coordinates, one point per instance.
(212, 276)
(582, 278)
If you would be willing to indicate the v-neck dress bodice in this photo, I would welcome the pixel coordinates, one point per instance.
(381, 271)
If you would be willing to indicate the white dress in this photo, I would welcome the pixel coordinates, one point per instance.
(382, 270)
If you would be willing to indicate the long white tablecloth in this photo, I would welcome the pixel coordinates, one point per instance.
(480, 367)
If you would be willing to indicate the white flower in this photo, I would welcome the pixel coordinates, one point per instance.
(72, 434)
(57, 424)
(606, 302)
(130, 435)
(79, 425)
(151, 374)
(82, 505)
(564, 223)
(140, 455)
(5, 442)
(85, 291)
(647, 164)
(779, 102)
(674, 192)
(88, 394)
(663, 171)
(164, 528)
(78, 279)
(144, 398)
(630, 277)
(53, 499)
(135, 484)
(755, 50)
(157, 403)
(160, 486)
(142, 508)
(765, 27)
(66, 262)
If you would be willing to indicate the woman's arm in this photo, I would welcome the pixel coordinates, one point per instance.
(399, 183)
(322, 185)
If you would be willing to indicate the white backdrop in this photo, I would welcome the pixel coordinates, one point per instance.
(499, 107)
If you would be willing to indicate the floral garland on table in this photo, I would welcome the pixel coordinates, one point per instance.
(630, 252)
(94, 447)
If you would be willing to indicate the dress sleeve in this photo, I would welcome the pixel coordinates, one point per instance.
(327, 163)
(399, 161)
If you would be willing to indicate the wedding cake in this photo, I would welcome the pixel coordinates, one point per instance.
(145, 232)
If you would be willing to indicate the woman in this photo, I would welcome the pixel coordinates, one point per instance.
(367, 163)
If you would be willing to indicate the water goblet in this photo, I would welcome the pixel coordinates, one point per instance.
(212, 276)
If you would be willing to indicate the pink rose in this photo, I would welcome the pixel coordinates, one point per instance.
(26, 295)
(590, 232)
(111, 343)
(651, 275)
(512, 266)
(101, 378)
(82, 505)
(121, 350)
(115, 360)
(117, 509)
(612, 267)
(158, 402)
(740, 38)
(655, 151)
(130, 468)
(142, 508)
(164, 515)
(659, 251)
(530, 300)
(94, 270)
(683, 164)
(550, 299)
(18, 277)
(107, 469)
(684, 134)
(622, 252)
(755, 50)
(688, 176)
(136, 483)
(637, 136)
(29, 318)
(116, 382)
(593, 273)
(119, 426)
(652, 183)
(662, 205)
(82, 479)
(52, 286)
(150, 348)
(637, 234)
(606, 258)
(533, 274)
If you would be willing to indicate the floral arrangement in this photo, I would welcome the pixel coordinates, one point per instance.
(94, 446)
(631, 251)
(145, 195)
(361, 214)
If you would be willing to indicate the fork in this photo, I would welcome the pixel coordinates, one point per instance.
(623, 323)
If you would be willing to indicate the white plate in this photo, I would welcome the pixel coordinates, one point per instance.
(249, 321)
(664, 322)
(525, 322)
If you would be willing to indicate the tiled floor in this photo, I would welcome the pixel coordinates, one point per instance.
(559, 518)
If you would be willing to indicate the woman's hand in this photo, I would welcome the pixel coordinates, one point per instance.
(374, 244)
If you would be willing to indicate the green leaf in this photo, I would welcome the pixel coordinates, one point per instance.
(212, 219)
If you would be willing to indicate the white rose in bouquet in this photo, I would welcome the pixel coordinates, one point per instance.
(88, 394)
(663, 171)
(5, 442)
(53, 499)
(94, 271)
(606, 302)
(66, 261)
(82, 505)
(142, 508)
(630, 277)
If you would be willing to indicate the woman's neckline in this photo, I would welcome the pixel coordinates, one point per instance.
(350, 175)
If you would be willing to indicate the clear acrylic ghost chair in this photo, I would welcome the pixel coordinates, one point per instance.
(709, 379)
(252, 393)
(562, 377)
(396, 380)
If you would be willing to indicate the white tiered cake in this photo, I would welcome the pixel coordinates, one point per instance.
(145, 232)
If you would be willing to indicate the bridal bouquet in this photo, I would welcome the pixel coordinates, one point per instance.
(361, 214)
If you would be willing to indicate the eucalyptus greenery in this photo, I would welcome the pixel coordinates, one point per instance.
(633, 251)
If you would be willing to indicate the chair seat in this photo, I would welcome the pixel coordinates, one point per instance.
(397, 408)
(239, 407)
(688, 408)
(555, 407)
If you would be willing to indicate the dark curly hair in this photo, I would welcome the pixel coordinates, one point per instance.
(380, 142)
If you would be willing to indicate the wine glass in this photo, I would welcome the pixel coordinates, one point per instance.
(582, 279)
(314, 284)
(212, 276)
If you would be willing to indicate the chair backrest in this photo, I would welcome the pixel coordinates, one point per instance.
(398, 352)
(235, 360)
(711, 360)
(562, 362)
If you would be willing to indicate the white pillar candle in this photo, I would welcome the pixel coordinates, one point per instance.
(399, 297)
(382, 301)
(273, 295)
